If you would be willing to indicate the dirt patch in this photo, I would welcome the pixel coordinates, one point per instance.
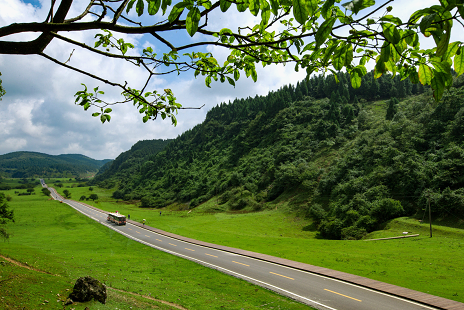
(150, 298)
(19, 264)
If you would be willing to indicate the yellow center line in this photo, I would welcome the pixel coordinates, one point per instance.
(137, 232)
(189, 249)
(129, 228)
(173, 244)
(159, 240)
(240, 263)
(342, 295)
(281, 275)
(211, 255)
(147, 236)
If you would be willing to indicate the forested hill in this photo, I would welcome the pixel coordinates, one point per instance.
(128, 163)
(33, 164)
(349, 159)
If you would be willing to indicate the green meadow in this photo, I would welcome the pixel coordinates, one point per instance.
(430, 265)
(58, 245)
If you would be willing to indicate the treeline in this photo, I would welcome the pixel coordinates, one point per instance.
(33, 164)
(346, 162)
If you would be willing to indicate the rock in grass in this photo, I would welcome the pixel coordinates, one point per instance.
(87, 288)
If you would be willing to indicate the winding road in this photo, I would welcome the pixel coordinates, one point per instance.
(318, 291)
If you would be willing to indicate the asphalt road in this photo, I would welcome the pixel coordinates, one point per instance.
(315, 290)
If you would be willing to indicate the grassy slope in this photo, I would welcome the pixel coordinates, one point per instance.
(55, 238)
(430, 265)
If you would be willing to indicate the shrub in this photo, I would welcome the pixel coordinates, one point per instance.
(317, 213)
(386, 209)
(353, 233)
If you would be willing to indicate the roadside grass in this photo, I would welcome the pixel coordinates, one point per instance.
(56, 239)
(430, 265)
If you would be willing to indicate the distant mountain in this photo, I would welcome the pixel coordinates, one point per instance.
(128, 163)
(34, 164)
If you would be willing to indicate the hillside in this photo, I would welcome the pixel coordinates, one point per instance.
(350, 162)
(128, 163)
(33, 164)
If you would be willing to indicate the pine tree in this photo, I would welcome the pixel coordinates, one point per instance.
(392, 108)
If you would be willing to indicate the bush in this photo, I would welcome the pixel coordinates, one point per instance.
(82, 198)
(46, 191)
(386, 209)
(331, 228)
(317, 213)
(353, 233)
(118, 194)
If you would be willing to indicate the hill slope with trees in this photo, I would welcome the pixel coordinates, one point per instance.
(127, 163)
(33, 164)
(350, 162)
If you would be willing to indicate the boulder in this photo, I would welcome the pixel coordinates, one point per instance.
(87, 288)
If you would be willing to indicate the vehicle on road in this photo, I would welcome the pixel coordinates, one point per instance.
(117, 218)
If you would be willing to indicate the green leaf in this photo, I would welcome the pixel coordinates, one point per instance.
(265, 12)
(355, 79)
(224, 5)
(242, 6)
(452, 49)
(107, 110)
(425, 74)
(426, 22)
(236, 74)
(254, 75)
(95, 114)
(349, 55)
(176, 11)
(208, 81)
(103, 118)
(275, 7)
(442, 45)
(459, 61)
(385, 52)
(438, 84)
(391, 33)
(153, 6)
(231, 81)
(254, 7)
(108, 117)
(326, 9)
(391, 18)
(191, 23)
(312, 6)
(300, 11)
(357, 5)
(324, 31)
(139, 7)
(339, 58)
(129, 5)
(207, 4)
(165, 4)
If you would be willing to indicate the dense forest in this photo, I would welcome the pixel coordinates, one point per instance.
(33, 164)
(128, 163)
(350, 159)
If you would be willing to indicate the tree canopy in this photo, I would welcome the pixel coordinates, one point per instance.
(5, 215)
(314, 35)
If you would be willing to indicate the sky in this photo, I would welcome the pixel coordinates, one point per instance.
(38, 112)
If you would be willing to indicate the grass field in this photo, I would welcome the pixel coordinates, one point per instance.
(59, 245)
(430, 265)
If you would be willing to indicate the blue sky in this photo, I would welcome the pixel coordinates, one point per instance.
(38, 112)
